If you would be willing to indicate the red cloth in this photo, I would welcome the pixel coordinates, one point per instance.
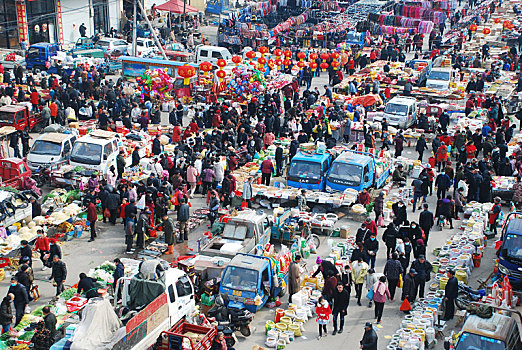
(470, 150)
(92, 215)
(176, 134)
(42, 244)
(442, 153)
(122, 210)
(323, 312)
(387, 92)
(35, 98)
(267, 166)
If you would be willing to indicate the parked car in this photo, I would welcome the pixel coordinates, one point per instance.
(112, 45)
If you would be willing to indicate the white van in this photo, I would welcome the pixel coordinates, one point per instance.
(96, 151)
(440, 78)
(49, 148)
(400, 111)
(207, 53)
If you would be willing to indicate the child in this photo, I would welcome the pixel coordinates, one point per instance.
(323, 312)
(371, 278)
(124, 203)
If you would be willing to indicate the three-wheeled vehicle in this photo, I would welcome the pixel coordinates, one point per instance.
(180, 337)
(13, 172)
(251, 280)
(19, 116)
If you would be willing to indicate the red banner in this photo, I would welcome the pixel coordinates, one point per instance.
(21, 16)
(59, 20)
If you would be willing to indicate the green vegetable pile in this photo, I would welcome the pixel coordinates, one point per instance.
(78, 169)
(38, 311)
(26, 336)
(107, 267)
(22, 325)
(72, 196)
(68, 293)
(4, 336)
(9, 189)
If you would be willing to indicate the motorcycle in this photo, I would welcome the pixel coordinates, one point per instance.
(467, 295)
(235, 319)
(43, 176)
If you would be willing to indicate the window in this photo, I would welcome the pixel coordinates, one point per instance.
(346, 174)
(365, 172)
(183, 287)
(22, 168)
(73, 140)
(216, 54)
(66, 147)
(172, 295)
(86, 153)
(203, 53)
(42, 147)
(325, 166)
(108, 150)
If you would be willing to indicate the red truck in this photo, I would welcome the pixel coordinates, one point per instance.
(20, 117)
(185, 335)
(13, 171)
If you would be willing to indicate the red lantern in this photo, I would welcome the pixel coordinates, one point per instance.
(221, 74)
(186, 72)
(301, 64)
(278, 52)
(250, 55)
(263, 50)
(473, 27)
(511, 26)
(334, 55)
(324, 66)
(236, 59)
(205, 66)
(301, 55)
(279, 63)
(506, 23)
(313, 56)
(313, 65)
(287, 63)
(335, 64)
(497, 20)
(253, 99)
(261, 61)
(324, 57)
(221, 63)
(486, 31)
(288, 53)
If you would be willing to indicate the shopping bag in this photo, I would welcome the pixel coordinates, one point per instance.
(244, 205)
(405, 306)
(370, 294)
(380, 221)
(399, 283)
(107, 213)
(141, 203)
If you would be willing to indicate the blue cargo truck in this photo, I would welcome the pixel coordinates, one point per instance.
(510, 251)
(308, 170)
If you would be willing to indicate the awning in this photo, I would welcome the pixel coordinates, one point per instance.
(176, 6)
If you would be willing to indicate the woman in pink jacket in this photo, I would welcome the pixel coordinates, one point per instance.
(323, 312)
(380, 292)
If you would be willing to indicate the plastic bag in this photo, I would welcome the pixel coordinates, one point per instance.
(369, 296)
(107, 213)
(400, 282)
(405, 306)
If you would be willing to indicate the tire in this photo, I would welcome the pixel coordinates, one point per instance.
(314, 239)
(462, 301)
(282, 292)
(245, 331)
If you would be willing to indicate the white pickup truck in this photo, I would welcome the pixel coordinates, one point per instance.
(440, 79)
(152, 301)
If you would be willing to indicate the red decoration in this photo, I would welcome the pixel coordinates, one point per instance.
(205, 66)
(221, 63)
(324, 57)
(250, 55)
(334, 55)
(301, 64)
(473, 27)
(287, 63)
(261, 61)
(288, 53)
(313, 65)
(486, 31)
(221, 74)
(335, 65)
(263, 50)
(313, 56)
(301, 55)
(497, 20)
(279, 62)
(278, 52)
(186, 72)
(324, 66)
(236, 59)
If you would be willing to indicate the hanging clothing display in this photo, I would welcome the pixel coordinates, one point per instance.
(422, 26)
(418, 12)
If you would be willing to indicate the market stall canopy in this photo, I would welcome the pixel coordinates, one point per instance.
(176, 6)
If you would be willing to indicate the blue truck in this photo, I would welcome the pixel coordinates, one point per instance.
(422, 69)
(357, 170)
(355, 38)
(308, 171)
(510, 251)
(250, 281)
(39, 55)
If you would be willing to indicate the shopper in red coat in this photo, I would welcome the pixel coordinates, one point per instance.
(92, 217)
(323, 312)
(35, 100)
(42, 246)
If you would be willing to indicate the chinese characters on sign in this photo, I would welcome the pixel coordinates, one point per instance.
(21, 17)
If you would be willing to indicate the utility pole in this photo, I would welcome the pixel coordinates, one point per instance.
(158, 44)
(134, 29)
(184, 15)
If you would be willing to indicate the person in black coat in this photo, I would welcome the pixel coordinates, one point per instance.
(371, 246)
(340, 305)
(135, 157)
(450, 294)
(369, 340)
(358, 253)
(6, 313)
(408, 286)
(426, 221)
(421, 146)
(21, 298)
(23, 277)
(49, 321)
(59, 274)
(26, 251)
(156, 145)
(327, 268)
(88, 286)
(390, 239)
(399, 211)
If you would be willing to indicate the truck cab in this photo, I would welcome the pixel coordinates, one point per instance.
(499, 332)
(250, 280)
(50, 148)
(510, 252)
(207, 53)
(241, 234)
(309, 171)
(96, 151)
(400, 112)
(39, 55)
(83, 43)
(355, 38)
(357, 170)
(440, 79)
(19, 116)
(13, 171)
